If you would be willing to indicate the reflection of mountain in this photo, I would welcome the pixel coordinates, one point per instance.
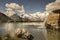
(4, 18)
(15, 17)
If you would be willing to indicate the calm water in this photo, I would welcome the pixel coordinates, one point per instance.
(38, 30)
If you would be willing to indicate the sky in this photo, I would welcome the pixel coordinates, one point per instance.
(30, 6)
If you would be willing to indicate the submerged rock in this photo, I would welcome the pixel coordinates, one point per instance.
(24, 34)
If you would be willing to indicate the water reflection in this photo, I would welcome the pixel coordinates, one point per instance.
(53, 34)
(36, 29)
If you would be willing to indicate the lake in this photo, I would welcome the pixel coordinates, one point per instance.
(38, 30)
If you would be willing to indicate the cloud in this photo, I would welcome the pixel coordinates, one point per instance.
(9, 12)
(37, 16)
(57, 0)
(53, 6)
(13, 6)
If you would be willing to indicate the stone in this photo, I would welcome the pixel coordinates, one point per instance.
(53, 19)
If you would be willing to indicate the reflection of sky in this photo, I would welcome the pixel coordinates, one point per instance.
(8, 27)
(30, 6)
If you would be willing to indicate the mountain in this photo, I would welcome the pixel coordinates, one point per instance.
(34, 17)
(26, 19)
(4, 18)
(16, 17)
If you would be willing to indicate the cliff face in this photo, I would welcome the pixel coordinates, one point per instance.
(53, 19)
(4, 18)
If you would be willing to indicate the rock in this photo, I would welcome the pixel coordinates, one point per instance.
(53, 19)
(24, 34)
(4, 18)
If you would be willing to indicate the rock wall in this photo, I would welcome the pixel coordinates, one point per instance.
(53, 20)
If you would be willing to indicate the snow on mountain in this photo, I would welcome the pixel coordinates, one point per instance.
(15, 17)
(30, 17)
(36, 16)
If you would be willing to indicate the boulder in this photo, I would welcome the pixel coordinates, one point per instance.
(53, 20)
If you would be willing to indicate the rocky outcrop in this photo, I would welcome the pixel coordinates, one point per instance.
(53, 19)
(54, 16)
(4, 18)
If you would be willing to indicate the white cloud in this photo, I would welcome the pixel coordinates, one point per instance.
(53, 6)
(21, 10)
(9, 12)
(33, 17)
(13, 6)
